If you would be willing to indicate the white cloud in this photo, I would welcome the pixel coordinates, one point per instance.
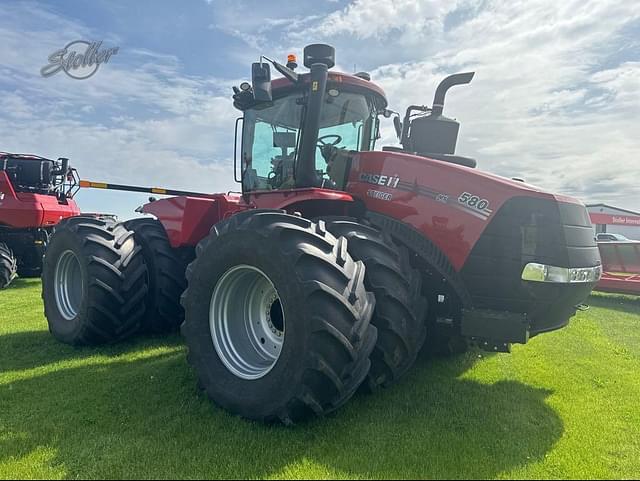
(366, 19)
(541, 106)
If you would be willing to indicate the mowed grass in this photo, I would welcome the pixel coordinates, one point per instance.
(566, 405)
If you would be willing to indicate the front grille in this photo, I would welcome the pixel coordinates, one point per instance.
(531, 230)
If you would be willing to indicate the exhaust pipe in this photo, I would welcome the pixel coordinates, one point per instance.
(445, 85)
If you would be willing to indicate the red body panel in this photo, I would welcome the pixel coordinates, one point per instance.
(25, 210)
(188, 220)
(338, 77)
(427, 197)
(283, 199)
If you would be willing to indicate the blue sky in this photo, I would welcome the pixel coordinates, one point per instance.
(555, 100)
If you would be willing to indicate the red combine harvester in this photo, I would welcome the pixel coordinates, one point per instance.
(35, 194)
(621, 267)
(336, 263)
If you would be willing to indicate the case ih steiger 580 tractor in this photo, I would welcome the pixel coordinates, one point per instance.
(35, 194)
(335, 263)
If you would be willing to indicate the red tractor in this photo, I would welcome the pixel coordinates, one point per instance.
(35, 194)
(336, 262)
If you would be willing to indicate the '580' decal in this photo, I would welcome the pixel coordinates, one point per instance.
(473, 201)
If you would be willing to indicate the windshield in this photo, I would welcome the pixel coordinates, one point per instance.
(271, 133)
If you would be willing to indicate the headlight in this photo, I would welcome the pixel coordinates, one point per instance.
(565, 275)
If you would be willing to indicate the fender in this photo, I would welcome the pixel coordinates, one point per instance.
(310, 202)
(187, 220)
(426, 249)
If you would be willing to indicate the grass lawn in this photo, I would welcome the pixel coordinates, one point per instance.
(566, 405)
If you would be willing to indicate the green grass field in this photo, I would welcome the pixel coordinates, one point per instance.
(566, 405)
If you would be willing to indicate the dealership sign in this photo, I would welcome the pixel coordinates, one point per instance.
(610, 219)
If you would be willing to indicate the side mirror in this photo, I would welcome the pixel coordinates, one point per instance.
(261, 81)
(398, 125)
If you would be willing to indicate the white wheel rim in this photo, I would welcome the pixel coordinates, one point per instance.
(68, 285)
(247, 323)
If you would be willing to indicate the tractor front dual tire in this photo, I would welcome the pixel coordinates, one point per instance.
(277, 318)
(8, 266)
(400, 309)
(166, 269)
(94, 282)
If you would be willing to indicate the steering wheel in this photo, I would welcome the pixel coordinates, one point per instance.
(322, 140)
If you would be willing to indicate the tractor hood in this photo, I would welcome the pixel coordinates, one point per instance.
(449, 203)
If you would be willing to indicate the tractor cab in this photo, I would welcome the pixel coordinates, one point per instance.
(298, 130)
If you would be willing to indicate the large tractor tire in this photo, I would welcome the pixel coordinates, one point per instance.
(166, 269)
(94, 282)
(400, 309)
(277, 318)
(8, 266)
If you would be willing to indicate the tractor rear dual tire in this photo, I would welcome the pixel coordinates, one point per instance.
(166, 268)
(400, 309)
(94, 282)
(8, 266)
(322, 335)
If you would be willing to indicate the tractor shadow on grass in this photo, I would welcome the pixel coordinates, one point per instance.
(617, 302)
(144, 418)
(24, 350)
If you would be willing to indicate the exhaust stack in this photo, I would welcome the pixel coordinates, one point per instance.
(434, 133)
(445, 85)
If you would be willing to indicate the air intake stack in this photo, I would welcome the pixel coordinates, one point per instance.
(434, 133)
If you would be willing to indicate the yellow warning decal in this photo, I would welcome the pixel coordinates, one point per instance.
(93, 185)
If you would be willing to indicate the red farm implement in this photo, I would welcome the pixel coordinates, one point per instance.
(35, 195)
(621, 266)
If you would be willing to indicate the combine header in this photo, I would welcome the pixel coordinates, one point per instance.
(337, 262)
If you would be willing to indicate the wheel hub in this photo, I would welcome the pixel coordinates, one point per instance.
(247, 323)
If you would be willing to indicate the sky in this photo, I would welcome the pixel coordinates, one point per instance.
(555, 99)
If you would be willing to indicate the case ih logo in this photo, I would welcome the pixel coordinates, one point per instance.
(377, 179)
(79, 59)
